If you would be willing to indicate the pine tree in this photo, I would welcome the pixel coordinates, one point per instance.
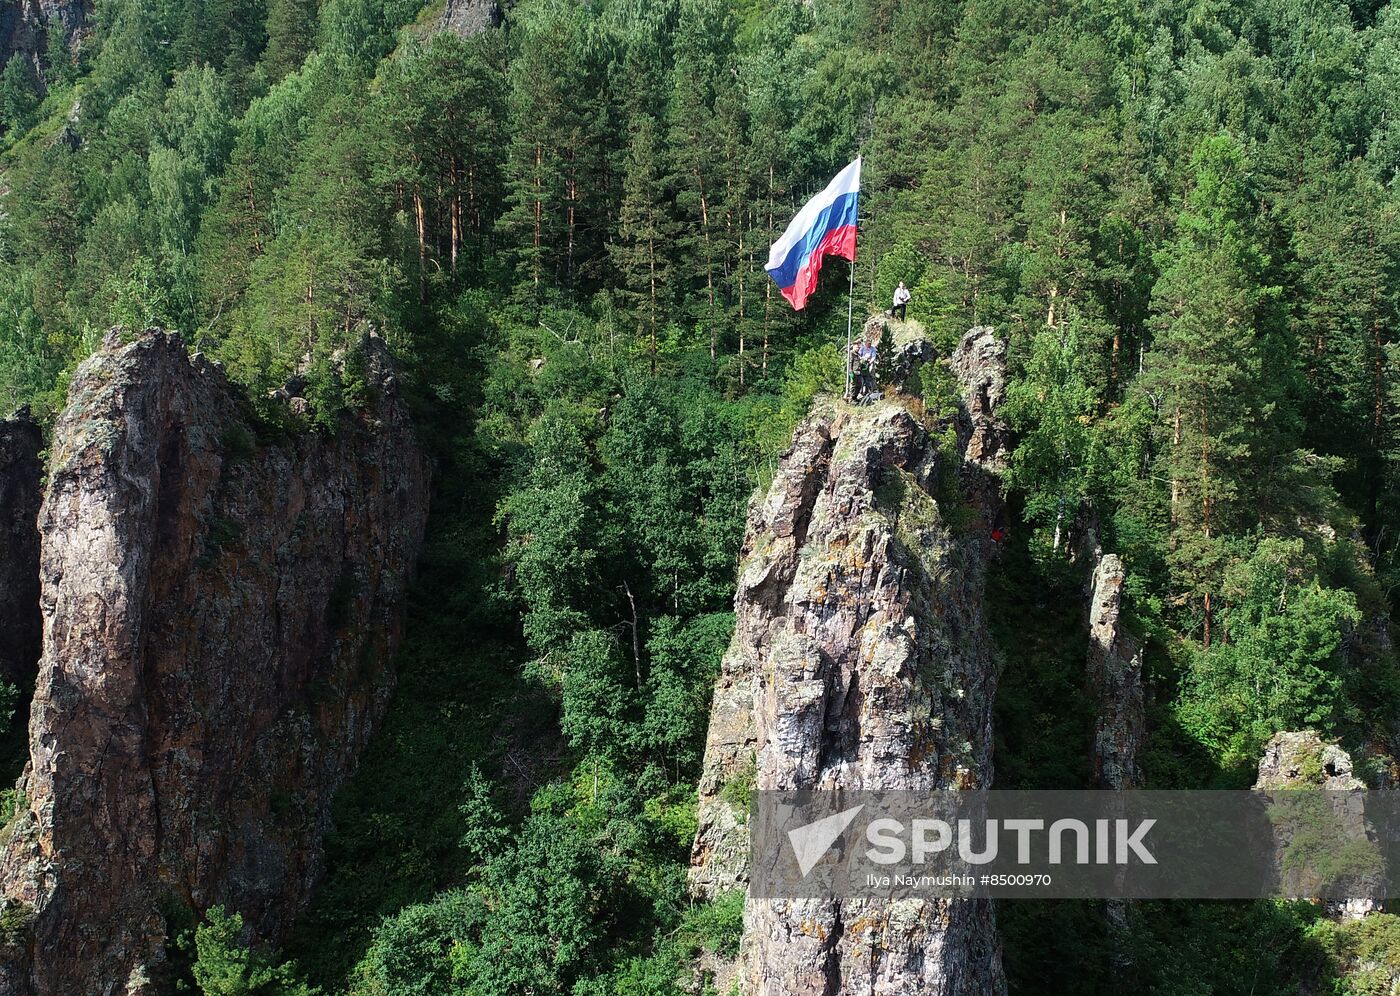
(58, 57)
(642, 252)
(1349, 259)
(702, 40)
(291, 30)
(1204, 372)
(1052, 407)
(548, 160)
(237, 229)
(18, 99)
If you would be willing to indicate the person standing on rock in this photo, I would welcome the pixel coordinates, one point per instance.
(901, 301)
(867, 354)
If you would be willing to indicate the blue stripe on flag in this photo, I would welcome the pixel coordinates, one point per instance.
(838, 214)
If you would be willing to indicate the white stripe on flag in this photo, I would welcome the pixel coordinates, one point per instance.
(846, 181)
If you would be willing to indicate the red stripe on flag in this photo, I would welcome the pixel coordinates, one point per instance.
(837, 242)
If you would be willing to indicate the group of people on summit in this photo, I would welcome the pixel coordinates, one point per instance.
(865, 352)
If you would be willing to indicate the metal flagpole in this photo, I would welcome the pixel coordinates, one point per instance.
(850, 311)
(851, 300)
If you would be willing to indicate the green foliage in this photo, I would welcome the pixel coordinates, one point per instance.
(1182, 223)
(15, 921)
(738, 790)
(291, 29)
(1366, 951)
(9, 698)
(58, 59)
(419, 951)
(719, 925)
(1282, 668)
(1226, 948)
(12, 803)
(225, 966)
(552, 547)
(1056, 461)
(818, 370)
(18, 101)
(685, 660)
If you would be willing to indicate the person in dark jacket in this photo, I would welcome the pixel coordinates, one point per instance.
(865, 356)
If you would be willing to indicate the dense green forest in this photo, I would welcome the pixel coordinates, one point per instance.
(1180, 214)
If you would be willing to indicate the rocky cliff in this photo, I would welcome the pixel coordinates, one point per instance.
(219, 614)
(1303, 760)
(25, 26)
(1114, 678)
(860, 660)
(21, 476)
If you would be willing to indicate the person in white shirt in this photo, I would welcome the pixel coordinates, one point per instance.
(901, 300)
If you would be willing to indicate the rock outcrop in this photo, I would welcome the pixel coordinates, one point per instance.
(1303, 760)
(980, 366)
(861, 660)
(25, 26)
(1114, 678)
(21, 478)
(465, 18)
(219, 615)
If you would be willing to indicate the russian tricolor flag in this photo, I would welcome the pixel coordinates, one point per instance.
(826, 226)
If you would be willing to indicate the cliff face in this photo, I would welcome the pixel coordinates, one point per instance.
(21, 475)
(219, 616)
(1303, 760)
(1115, 682)
(25, 27)
(861, 660)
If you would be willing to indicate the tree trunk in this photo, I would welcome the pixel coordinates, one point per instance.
(454, 216)
(767, 309)
(1176, 481)
(253, 219)
(636, 638)
(742, 270)
(1206, 507)
(422, 226)
(768, 284)
(651, 264)
(709, 262)
(572, 188)
(471, 201)
(539, 212)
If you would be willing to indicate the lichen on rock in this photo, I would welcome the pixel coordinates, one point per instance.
(861, 661)
(1114, 678)
(219, 613)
